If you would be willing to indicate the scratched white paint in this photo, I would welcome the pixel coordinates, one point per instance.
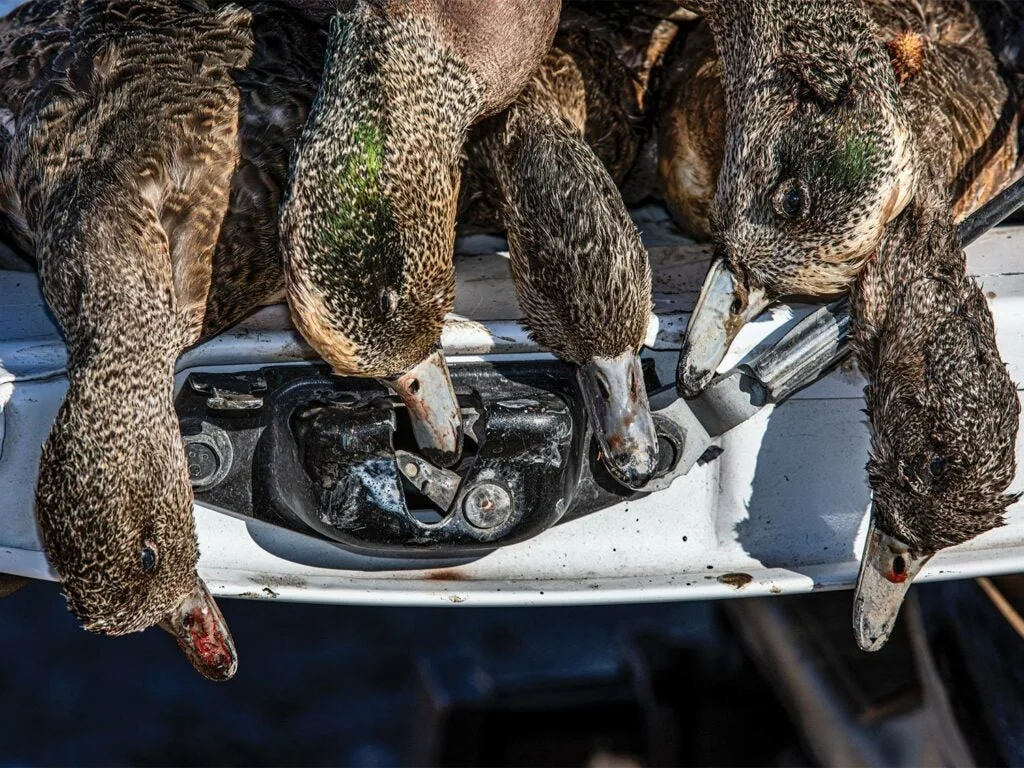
(785, 503)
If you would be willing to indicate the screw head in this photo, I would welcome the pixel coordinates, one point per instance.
(487, 506)
(203, 462)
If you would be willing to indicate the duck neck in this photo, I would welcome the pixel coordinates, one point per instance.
(581, 271)
(123, 327)
(380, 151)
(891, 295)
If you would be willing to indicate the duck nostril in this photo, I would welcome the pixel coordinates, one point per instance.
(414, 386)
(634, 388)
(737, 306)
(899, 565)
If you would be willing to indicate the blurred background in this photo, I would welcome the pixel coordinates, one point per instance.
(773, 681)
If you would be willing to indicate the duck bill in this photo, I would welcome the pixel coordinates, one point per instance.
(886, 571)
(713, 326)
(616, 401)
(199, 627)
(428, 393)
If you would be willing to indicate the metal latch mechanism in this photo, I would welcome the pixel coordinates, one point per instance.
(808, 351)
(335, 457)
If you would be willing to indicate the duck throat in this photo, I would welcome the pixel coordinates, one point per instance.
(920, 245)
(581, 272)
(376, 172)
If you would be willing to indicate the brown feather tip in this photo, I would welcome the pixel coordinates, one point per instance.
(907, 53)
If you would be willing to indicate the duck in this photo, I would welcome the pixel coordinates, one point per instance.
(579, 269)
(149, 205)
(367, 222)
(618, 51)
(942, 408)
(823, 147)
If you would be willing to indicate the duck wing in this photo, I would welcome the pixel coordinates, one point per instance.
(276, 89)
(963, 110)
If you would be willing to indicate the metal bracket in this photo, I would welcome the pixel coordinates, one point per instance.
(810, 349)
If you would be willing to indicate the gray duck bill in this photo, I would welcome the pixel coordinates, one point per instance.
(428, 393)
(202, 634)
(886, 571)
(720, 313)
(616, 401)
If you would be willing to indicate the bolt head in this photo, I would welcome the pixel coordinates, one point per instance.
(486, 506)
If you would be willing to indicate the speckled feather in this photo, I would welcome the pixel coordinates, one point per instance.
(580, 271)
(831, 82)
(148, 234)
(615, 52)
(368, 224)
(942, 407)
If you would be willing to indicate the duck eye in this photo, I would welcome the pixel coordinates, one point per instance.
(792, 202)
(148, 558)
(937, 466)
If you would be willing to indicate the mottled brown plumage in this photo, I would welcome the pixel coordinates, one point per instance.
(613, 54)
(368, 225)
(949, 82)
(824, 145)
(147, 149)
(942, 408)
(580, 272)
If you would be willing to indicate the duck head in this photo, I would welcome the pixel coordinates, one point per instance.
(944, 415)
(115, 509)
(368, 221)
(367, 225)
(582, 278)
(819, 157)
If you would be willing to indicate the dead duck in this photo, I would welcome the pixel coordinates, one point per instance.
(824, 145)
(580, 272)
(615, 52)
(942, 408)
(148, 234)
(368, 221)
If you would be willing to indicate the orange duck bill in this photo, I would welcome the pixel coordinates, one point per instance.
(199, 627)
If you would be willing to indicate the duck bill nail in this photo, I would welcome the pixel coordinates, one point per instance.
(722, 309)
(886, 571)
(202, 634)
(428, 393)
(616, 402)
